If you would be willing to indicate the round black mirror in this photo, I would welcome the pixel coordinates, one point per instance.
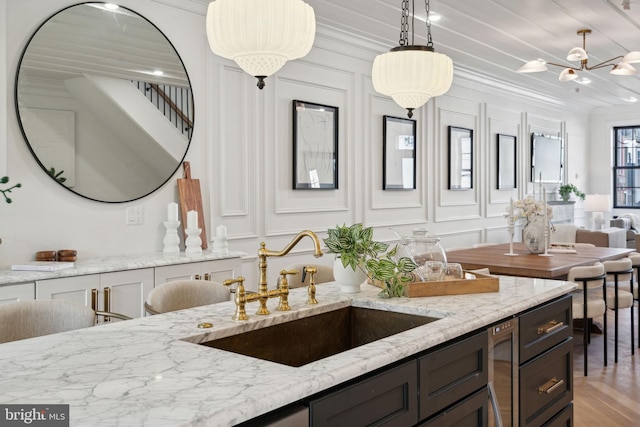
(104, 102)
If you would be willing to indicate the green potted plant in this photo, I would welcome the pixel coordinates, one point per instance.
(353, 244)
(393, 274)
(358, 253)
(566, 190)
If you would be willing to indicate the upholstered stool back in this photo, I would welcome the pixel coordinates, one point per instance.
(182, 294)
(28, 319)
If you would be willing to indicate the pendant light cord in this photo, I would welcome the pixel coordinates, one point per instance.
(429, 40)
(405, 27)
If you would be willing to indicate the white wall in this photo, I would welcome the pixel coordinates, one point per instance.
(601, 147)
(241, 152)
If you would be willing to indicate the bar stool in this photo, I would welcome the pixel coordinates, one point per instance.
(635, 261)
(619, 271)
(589, 301)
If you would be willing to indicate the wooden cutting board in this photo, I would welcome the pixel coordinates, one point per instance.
(190, 199)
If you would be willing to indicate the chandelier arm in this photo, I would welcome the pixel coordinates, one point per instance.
(604, 63)
(566, 66)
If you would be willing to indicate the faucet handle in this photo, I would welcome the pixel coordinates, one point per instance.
(283, 289)
(240, 299)
(311, 293)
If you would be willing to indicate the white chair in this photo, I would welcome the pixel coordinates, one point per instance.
(589, 301)
(323, 274)
(182, 294)
(28, 319)
(578, 246)
(480, 245)
(635, 264)
(619, 272)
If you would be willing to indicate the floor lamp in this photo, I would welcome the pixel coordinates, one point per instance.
(598, 204)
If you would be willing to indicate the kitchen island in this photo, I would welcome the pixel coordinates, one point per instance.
(150, 371)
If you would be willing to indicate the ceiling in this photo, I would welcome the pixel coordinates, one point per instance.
(489, 39)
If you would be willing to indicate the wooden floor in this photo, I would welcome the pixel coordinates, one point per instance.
(608, 396)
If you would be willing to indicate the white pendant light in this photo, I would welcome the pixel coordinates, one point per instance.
(632, 57)
(567, 75)
(623, 69)
(532, 67)
(577, 54)
(260, 35)
(412, 74)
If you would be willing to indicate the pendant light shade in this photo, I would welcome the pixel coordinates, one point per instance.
(623, 69)
(411, 76)
(567, 75)
(577, 54)
(534, 66)
(260, 35)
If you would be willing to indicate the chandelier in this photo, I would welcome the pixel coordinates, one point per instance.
(412, 74)
(260, 35)
(621, 68)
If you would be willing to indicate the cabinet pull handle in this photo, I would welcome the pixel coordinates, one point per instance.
(198, 277)
(550, 386)
(550, 327)
(107, 303)
(207, 276)
(94, 299)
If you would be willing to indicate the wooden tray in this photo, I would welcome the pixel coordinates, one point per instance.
(482, 283)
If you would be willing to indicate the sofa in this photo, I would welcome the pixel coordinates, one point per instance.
(571, 233)
(629, 222)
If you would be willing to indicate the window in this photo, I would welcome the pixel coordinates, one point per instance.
(626, 167)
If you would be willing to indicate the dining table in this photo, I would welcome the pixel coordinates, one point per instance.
(555, 265)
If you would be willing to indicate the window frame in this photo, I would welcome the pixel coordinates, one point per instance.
(635, 169)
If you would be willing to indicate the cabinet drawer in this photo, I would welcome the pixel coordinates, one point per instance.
(544, 327)
(563, 418)
(471, 412)
(450, 374)
(387, 399)
(546, 385)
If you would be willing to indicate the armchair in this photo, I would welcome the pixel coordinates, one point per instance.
(632, 234)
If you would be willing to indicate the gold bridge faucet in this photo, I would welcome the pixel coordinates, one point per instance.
(263, 294)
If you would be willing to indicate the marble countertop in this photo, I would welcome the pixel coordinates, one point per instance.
(112, 263)
(149, 372)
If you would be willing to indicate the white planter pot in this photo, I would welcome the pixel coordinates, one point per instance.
(348, 279)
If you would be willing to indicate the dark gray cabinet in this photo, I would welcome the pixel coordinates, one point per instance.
(546, 365)
(451, 373)
(386, 399)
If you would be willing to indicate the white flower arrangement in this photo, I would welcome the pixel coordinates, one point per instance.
(528, 209)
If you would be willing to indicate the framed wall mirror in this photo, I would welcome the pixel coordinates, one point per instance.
(460, 158)
(104, 102)
(547, 158)
(398, 153)
(507, 159)
(315, 146)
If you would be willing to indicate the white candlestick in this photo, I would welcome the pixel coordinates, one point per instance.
(221, 231)
(192, 219)
(172, 212)
(511, 209)
(540, 181)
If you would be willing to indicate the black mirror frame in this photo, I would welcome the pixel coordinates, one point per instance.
(499, 156)
(409, 144)
(465, 133)
(24, 134)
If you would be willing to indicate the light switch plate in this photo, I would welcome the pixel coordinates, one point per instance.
(135, 215)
